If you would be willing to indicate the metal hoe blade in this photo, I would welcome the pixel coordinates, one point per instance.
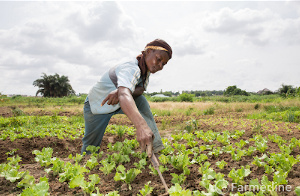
(156, 166)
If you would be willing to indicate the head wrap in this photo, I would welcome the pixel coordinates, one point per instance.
(157, 44)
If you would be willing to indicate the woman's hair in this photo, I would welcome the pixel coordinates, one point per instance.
(159, 44)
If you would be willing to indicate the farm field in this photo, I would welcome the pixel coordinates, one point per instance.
(212, 148)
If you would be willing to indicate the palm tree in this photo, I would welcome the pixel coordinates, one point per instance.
(53, 86)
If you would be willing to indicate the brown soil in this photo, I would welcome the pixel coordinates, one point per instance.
(62, 149)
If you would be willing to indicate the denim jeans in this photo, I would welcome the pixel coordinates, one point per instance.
(95, 124)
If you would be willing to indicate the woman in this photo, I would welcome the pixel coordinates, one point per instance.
(119, 91)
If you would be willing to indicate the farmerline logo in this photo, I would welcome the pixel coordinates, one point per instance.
(234, 187)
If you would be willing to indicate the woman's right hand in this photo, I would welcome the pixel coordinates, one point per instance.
(112, 98)
(145, 137)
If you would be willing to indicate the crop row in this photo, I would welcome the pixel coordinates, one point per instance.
(183, 152)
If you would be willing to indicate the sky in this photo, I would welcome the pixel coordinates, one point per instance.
(216, 44)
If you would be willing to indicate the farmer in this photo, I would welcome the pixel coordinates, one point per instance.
(119, 91)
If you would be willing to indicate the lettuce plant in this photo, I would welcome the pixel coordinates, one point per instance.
(126, 177)
(147, 190)
(70, 171)
(180, 161)
(178, 179)
(177, 190)
(44, 156)
(94, 150)
(92, 162)
(221, 164)
(57, 166)
(40, 189)
(238, 175)
(141, 164)
(87, 187)
(161, 168)
(78, 157)
(107, 167)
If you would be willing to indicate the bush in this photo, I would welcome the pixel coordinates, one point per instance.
(209, 111)
(185, 97)
(233, 90)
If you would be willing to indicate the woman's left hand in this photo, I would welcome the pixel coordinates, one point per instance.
(112, 98)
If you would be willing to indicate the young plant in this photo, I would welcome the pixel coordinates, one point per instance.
(78, 157)
(141, 164)
(238, 155)
(251, 150)
(260, 161)
(180, 161)
(107, 167)
(241, 144)
(168, 150)
(70, 171)
(221, 164)
(260, 143)
(126, 177)
(10, 170)
(177, 190)
(238, 134)
(92, 162)
(179, 147)
(120, 131)
(224, 139)
(147, 190)
(268, 169)
(199, 159)
(117, 147)
(297, 190)
(204, 167)
(44, 156)
(216, 152)
(119, 158)
(94, 150)
(40, 188)
(87, 187)
(238, 175)
(161, 168)
(57, 166)
(164, 159)
(178, 179)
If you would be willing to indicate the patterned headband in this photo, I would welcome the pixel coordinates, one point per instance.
(156, 48)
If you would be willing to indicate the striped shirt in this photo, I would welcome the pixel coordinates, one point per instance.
(127, 75)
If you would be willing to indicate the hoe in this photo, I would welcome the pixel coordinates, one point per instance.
(156, 166)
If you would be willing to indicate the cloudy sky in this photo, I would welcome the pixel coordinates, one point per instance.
(216, 44)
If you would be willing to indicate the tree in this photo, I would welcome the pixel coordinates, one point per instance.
(233, 90)
(53, 86)
(286, 90)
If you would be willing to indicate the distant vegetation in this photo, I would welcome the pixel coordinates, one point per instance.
(54, 86)
(230, 94)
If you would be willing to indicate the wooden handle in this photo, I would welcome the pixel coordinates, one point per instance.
(155, 164)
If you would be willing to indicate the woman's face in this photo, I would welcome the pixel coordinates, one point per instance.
(156, 59)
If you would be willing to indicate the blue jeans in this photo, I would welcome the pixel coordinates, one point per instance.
(95, 124)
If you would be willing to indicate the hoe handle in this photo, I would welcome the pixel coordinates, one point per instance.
(156, 166)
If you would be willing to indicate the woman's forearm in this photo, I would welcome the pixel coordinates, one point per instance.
(144, 134)
(129, 108)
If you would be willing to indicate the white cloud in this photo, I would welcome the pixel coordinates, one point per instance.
(101, 21)
(210, 41)
(259, 27)
(188, 43)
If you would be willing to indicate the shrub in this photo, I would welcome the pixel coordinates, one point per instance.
(185, 97)
(233, 90)
(209, 111)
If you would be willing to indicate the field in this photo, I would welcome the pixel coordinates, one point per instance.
(212, 148)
